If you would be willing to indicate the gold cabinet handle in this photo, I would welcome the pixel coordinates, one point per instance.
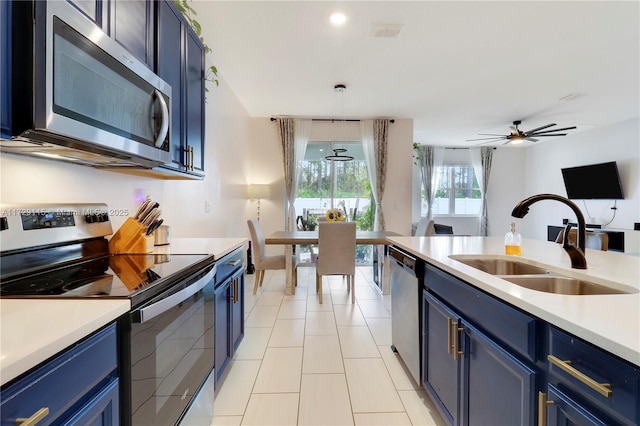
(35, 417)
(602, 388)
(449, 338)
(191, 152)
(235, 290)
(542, 408)
(456, 337)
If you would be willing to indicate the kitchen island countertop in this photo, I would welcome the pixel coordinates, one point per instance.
(610, 321)
(33, 330)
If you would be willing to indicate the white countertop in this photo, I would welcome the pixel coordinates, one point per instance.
(31, 331)
(611, 322)
(217, 247)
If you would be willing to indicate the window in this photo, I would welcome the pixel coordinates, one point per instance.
(458, 192)
(339, 184)
(327, 184)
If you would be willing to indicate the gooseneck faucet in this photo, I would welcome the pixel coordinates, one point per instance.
(578, 260)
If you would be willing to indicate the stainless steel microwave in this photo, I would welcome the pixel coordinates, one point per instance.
(82, 97)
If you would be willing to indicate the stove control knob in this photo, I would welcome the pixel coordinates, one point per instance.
(4, 223)
(91, 218)
(103, 217)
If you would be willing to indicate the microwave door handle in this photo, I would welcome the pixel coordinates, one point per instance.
(164, 127)
(162, 306)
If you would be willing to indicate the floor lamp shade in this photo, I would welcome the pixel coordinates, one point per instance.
(257, 192)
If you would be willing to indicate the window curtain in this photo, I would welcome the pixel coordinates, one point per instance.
(374, 141)
(286, 129)
(430, 159)
(481, 159)
(302, 130)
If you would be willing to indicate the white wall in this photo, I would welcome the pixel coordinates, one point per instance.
(618, 142)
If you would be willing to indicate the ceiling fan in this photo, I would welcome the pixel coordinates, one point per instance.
(517, 135)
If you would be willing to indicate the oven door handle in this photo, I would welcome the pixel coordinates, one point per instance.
(162, 306)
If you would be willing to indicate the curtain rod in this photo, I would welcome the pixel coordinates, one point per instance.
(334, 119)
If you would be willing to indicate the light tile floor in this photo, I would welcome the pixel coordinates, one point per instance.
(302, 363)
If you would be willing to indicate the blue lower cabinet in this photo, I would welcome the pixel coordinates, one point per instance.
(76, 387)
(441, 372)
(562, 410)
(472, 379)
(229, 300)
(596, 381)
(102, 409)
(497, 388)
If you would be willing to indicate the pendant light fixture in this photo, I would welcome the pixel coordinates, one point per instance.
(336, 156)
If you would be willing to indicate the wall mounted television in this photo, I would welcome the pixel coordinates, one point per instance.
(593, 182)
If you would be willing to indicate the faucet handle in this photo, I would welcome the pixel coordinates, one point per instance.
(565, 238)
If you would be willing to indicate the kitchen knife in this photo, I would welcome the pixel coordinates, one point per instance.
(144, 204)
(155, 214)
(155, 225)
(143, 216)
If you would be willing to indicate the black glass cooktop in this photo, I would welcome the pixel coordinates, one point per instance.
(120, 276)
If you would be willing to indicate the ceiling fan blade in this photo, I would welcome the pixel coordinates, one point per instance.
(490, 134)
(531, 139)
(488, 142)
(487, 139)
(555, 130)
(537, 135)
(528, 132)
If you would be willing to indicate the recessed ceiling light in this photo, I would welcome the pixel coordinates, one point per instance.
(338, 18)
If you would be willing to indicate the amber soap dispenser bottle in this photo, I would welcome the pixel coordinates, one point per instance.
(513, 241)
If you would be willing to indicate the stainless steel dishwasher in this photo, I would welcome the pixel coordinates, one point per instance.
(406, 299)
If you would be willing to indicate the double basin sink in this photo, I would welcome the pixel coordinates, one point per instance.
(535, 277)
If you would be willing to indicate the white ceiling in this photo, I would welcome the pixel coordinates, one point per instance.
(457, 68)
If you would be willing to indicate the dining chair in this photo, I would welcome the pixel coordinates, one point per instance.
(263, 262)
(439, 229)
(336, 254)
(425, 227)
(595, 240)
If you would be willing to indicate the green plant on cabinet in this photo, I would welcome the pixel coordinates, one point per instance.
(211, 73)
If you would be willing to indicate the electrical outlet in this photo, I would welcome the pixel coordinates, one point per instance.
(207, 206)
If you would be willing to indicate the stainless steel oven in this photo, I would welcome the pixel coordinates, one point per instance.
(82, 97)
(167, 351)
(166, 341)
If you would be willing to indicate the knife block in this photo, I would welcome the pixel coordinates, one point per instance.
(131, 238)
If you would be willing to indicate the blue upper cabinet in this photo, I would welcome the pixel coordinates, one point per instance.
(5, 69)
(168, 67)
(180, 62)
(96, 10)
(130, 22)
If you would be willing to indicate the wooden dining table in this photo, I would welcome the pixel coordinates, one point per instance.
(292, 238)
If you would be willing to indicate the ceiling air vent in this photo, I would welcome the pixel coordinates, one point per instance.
(385, 30)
